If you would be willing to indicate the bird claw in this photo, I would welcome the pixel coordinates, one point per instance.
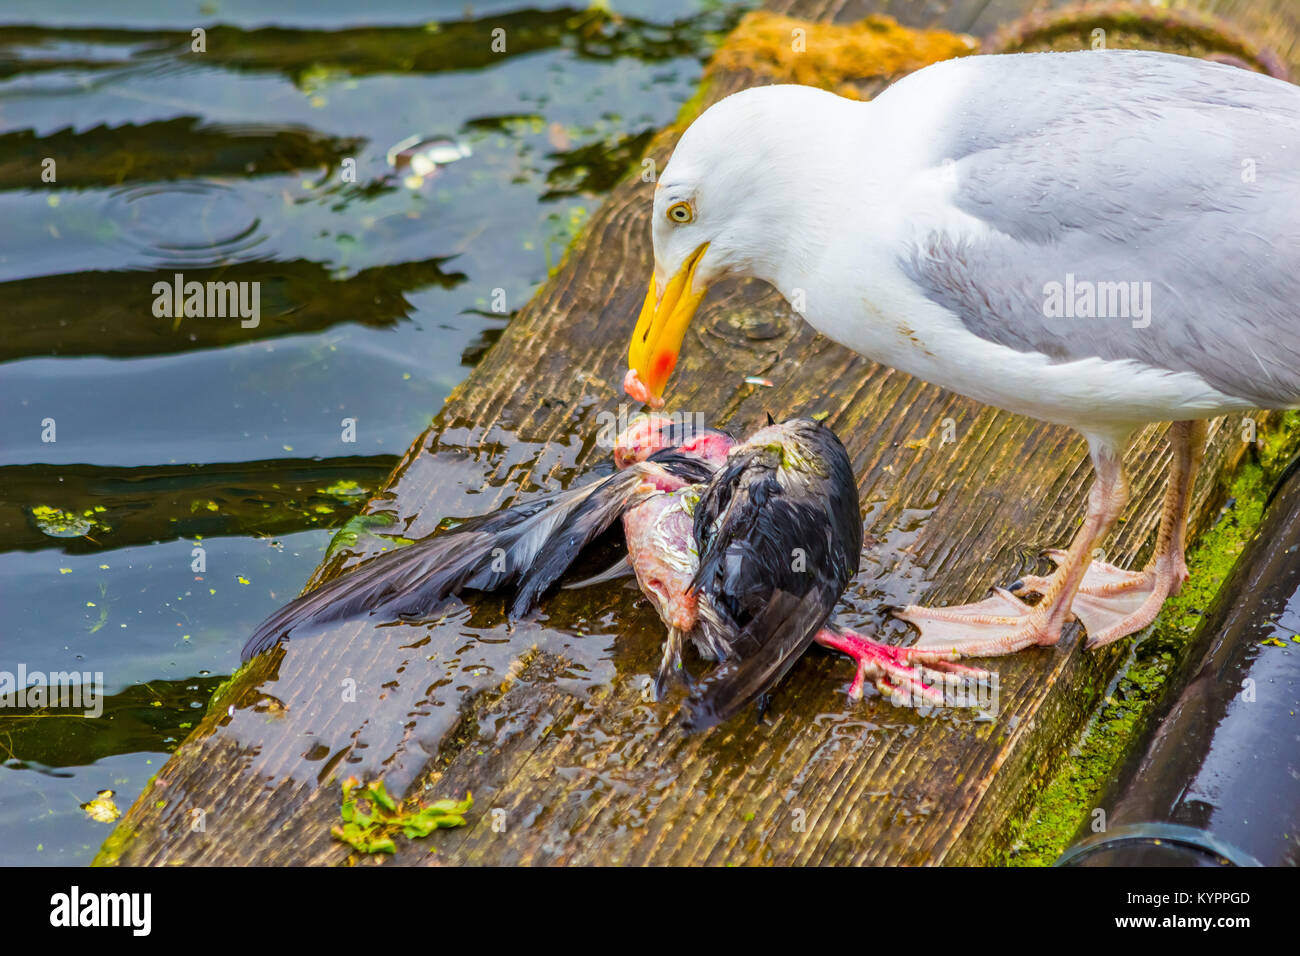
(903, 674)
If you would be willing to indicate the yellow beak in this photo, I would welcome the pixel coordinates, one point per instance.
(652, 354)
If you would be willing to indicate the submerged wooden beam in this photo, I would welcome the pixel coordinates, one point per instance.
(546, 720)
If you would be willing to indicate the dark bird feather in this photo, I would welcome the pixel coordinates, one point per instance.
(779, 532)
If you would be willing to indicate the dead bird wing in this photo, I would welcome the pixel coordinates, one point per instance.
(531, 544)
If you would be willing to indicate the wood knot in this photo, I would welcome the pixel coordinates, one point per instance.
(757, 325)
(745, 329)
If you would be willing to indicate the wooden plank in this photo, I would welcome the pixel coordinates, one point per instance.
(545, 721)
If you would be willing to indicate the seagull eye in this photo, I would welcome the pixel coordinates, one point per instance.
(681, 212)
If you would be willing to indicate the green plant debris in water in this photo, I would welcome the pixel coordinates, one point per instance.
(359, 526)
(102, 809)
(58, 523)
(1071, 793)
(373, 831)
(346, 490)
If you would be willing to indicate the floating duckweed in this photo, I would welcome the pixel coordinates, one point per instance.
(58, 523)
(345, 490)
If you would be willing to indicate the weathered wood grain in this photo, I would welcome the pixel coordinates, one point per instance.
(548, 725)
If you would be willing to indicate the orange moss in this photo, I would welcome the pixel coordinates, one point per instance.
(833, 56)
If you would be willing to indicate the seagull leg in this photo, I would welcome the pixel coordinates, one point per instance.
(896, 671)
(1113, 603)
(1002, 623)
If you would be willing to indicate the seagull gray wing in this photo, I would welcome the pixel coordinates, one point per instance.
(1124, 167)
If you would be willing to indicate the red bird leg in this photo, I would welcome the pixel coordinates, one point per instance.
(909, 671)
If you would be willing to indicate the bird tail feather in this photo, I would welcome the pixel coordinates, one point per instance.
(530, 544)
(762, 653)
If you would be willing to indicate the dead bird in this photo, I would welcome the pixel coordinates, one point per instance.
(743, 549)
(749, 566)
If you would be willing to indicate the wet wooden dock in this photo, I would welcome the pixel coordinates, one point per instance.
(547, 722)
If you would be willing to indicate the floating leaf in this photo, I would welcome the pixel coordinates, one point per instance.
(102, 809)
(58, 523)
(345, 489)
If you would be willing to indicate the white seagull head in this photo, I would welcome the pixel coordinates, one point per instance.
(742, 179)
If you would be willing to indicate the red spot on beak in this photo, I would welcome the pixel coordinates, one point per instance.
(664, 363)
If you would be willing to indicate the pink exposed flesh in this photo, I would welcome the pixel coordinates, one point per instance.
(638, 389)
(656, 529)
(650, 433)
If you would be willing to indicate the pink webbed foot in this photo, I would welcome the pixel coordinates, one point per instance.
(1112, 603)
(1000, 624)
(897, 672)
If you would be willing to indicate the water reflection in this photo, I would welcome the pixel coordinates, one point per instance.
(127, 157)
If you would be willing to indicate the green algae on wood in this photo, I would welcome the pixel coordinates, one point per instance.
(1071, 793)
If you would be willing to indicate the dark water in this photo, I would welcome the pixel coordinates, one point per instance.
(199, 465)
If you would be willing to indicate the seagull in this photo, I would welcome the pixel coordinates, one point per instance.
(1100, 239)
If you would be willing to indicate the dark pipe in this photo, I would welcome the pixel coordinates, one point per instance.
(1217, 781)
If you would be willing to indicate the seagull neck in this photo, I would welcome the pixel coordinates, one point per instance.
(811, 179)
